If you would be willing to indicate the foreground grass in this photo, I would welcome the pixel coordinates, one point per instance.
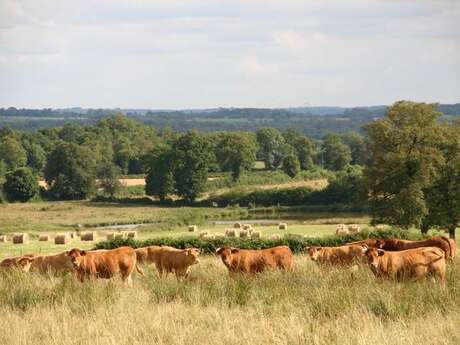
(309, 306)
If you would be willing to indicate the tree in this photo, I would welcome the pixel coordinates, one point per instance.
(236, 152)
(12, 153)
(272, 147)
(291, 165)
(403, 161)
(443, 195)
(21, 185)
(71, 172)
(109, 178)
(357, 147)
(336, 154)
(160, 179)
(36, 157)
(192, 156)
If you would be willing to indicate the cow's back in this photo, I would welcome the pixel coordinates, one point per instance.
(55, 262)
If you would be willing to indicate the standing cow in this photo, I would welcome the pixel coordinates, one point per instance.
(343, 255)
(255, 261)
(104, 264)
(395, 244)
(412, 263)
(177, 261)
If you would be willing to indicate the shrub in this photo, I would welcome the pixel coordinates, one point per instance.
(291, 165)
(297, 243)
(21, 185)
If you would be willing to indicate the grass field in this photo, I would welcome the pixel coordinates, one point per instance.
(308, 306)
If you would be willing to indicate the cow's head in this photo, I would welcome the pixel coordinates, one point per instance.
(373, 256)
(75, 256)
(24, 263)
(313, 252)
(193, 255)
(226, 254)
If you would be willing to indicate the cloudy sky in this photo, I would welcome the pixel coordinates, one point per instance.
(203, 53)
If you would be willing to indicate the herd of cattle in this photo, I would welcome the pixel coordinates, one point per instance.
(390, 258)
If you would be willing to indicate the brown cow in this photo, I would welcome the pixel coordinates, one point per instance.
(411, 263)
(169, 260)
(343, 255)
(394, 244)
(21, 262)
(255, 261)
(453, 246)
(370, 242)
(56, 263)
(147, 255)
(104, 264)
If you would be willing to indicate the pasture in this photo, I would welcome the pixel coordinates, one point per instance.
(308, 306)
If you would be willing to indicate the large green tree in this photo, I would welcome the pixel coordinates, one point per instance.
(160, 178)
(71, 172)
(12, 153)
(272, 147)
(236, 152)
(192, 157)
(335, 154)
(357, 147)
(403, 161)
(21, 185)
(108, 175)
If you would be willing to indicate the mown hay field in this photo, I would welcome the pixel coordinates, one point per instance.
(308, 306)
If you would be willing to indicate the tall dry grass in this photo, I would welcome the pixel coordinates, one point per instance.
(309, 306)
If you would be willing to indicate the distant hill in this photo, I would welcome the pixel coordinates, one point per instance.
(313, 121)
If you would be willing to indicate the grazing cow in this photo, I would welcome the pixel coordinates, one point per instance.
(169, 260)
(21, 262)
(411, 263)
(343, 255)
(394, 244)
(56, 263)
(255, 261)
(147, 255)
(104, 263)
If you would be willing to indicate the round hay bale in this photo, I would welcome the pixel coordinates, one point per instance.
(237, 225)
(256, 234)
(231, 233)
(282, 226)
(247, 226)
(132, 234)
(244, 233)
(203, 234)
(20, 238)
(354, 228)
(88, 236)
(208, 237)
(274, 237)
(3, 238)
(110, 236)
(44, 238)
(61, 239)
(192, 228)
(121, 234)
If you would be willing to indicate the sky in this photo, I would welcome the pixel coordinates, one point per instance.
(168, 54)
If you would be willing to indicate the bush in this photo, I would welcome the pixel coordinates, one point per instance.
(21, 185)
(297, 243)
(291, 165)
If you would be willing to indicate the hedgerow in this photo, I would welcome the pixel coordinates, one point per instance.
(297, 243)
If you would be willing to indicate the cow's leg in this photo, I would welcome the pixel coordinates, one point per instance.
(129, 281)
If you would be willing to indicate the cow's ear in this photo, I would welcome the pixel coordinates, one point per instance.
(380, 252)
(364, 249)
(319, 248)
(234, 250)
(83, 252)
(379, 243)
(218, 250)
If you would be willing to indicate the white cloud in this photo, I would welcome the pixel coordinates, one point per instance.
(181, 54)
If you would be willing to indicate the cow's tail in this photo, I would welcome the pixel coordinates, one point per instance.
(140, 270)
(448, 253)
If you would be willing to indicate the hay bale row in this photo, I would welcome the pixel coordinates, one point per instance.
(62, 239)
(88, 236)
(231, 233)
(341, 229)
(354, 228)
(44, 238)
(20, 238)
